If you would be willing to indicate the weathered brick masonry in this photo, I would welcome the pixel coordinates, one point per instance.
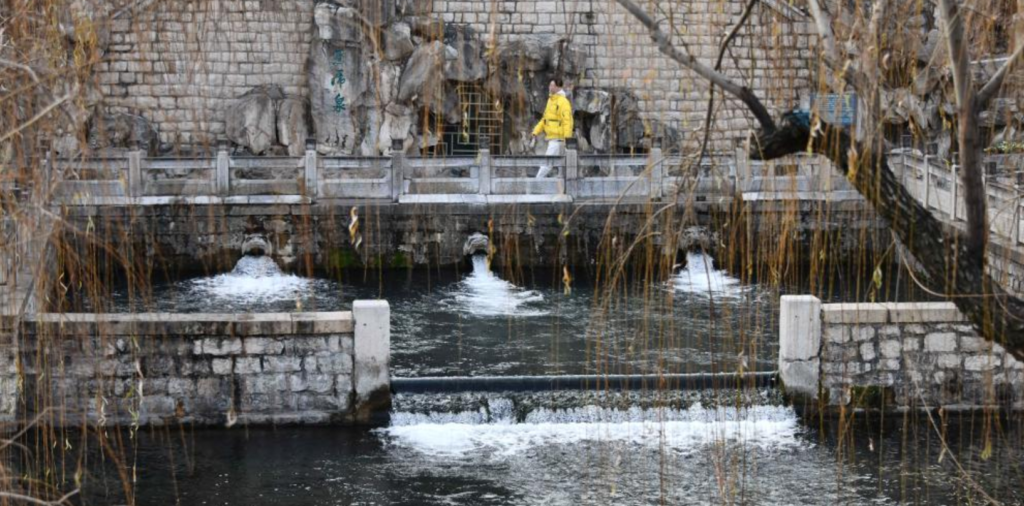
(179, 63)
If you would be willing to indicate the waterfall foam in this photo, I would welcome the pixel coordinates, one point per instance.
(495, 430)
(254, 280)
(482, 293)
(700, 277)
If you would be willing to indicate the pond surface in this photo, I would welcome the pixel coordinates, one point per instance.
(558, 448)
(553, 450)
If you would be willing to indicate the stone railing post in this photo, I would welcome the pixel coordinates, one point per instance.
(927, 183)
(222, 181)
(486, 170)
(135, 185)
(311, 174)
(953, 199)
(46, 185)
(656, 160)
(800, 344)
(371, 351)
(742, 162)
(571, 174)
(397, 168)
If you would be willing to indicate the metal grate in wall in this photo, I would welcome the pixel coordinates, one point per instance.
(481, 116)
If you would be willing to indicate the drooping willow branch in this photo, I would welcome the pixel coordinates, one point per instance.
(997, 315)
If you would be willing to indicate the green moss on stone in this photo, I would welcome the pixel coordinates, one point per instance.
(341, 258)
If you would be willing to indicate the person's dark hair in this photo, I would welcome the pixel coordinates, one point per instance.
(558, 81)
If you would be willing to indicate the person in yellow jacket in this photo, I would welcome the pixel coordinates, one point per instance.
(556, 124)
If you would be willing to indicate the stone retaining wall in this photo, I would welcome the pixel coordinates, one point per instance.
(180, 63)
(906, 354)
(209, 237)
(154, 369)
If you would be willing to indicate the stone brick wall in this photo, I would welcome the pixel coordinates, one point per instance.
(154, 369)
(771, 55)
(910, 354)
(179, 63)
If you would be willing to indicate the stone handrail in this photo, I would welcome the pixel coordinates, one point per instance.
(938, 187)
(136, 179)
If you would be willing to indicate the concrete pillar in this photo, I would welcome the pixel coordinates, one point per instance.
(800, 344)
(397, 168)
(657, 162)
(371, 354)
(222, 181)
(486, 170)
(311, 175)
(135, 187)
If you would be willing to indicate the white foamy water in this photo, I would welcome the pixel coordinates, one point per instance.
(484, 294)
(685, 431)
(254, 280)
(700, 277)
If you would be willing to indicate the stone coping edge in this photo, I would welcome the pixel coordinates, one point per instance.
(206, 324)
(891, 312)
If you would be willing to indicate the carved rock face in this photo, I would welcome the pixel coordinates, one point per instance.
(336, 95)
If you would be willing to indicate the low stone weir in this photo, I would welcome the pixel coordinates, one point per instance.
(637, 382)
(223, 369)
(902, 355)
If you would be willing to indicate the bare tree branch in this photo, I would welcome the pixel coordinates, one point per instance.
(968, 133)
(949, 13)
(28, 70)
(722, 48)
(687, 60)
(824, 24)
(996, 81)
(42, 114)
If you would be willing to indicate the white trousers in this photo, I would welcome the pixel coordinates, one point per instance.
(554, 149)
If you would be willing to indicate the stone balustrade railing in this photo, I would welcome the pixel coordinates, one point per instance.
(137, 179)
(937, 186)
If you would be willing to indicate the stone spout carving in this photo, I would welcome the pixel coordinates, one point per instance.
(476, 243)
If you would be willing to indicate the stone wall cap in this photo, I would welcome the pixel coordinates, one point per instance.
(370, 304)
(891, 312)
(196, 324)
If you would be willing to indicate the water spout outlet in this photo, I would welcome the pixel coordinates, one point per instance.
(256, 245)
(476, 244)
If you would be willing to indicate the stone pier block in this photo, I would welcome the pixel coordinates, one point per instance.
(371, 355)
(800, 343)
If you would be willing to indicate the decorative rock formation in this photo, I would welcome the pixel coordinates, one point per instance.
(422, 79)
(251, 121)
(292, 125)
(398, 42)
(469, 64)
(122, 131)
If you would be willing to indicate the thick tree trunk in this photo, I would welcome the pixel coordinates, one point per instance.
(942, 252)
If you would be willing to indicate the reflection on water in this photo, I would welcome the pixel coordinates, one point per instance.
(487, 323)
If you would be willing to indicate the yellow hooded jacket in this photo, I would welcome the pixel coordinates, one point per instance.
(557, 121)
